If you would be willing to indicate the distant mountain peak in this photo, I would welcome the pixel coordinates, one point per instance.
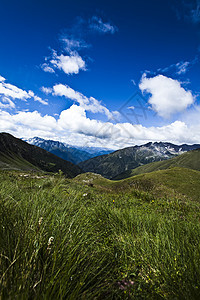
(18, 154)
(67, 152)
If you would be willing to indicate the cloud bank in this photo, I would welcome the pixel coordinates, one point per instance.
(74, 127)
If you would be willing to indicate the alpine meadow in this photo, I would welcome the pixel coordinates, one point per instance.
(100, 150)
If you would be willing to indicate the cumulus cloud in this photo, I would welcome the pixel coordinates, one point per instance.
(89, 104)
(75, 120)
(30, 121)
(69, 64)
(98, 25)
(167, 95)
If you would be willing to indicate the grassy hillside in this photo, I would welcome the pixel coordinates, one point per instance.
(74, 239)
(16, 154)
(190, 160)
(166, 183)
(174, 182)
(14, 162)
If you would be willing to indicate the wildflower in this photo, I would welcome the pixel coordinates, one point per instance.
(84, 195)
(50, 242)
(113, 201)
(125, 284)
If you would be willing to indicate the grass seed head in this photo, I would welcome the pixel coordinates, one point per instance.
(40, 221)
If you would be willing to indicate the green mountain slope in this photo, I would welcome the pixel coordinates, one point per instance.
(12, 161)
(174, 183)
(16, 154)
(190, 160)
(168, 182)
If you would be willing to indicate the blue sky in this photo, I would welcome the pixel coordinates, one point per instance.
(101, 73)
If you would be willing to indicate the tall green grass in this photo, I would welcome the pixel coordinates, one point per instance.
(64, 240)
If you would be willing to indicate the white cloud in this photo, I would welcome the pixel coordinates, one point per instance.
(75, 120)
(167, 95)
(35, 120)
(182, 67)
(74, 127)
(44, 102)
(7, 103)
(2, 78)
(8, 91)
(46, 90)
(97, 24)
(27, 123)
(89, 104)
(71, 44)
(46, 68)
(70, 64)
(68, 59)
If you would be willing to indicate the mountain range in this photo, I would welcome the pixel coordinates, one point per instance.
(70, 153)
(188, 160)
(18, 154)
(115, 163)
